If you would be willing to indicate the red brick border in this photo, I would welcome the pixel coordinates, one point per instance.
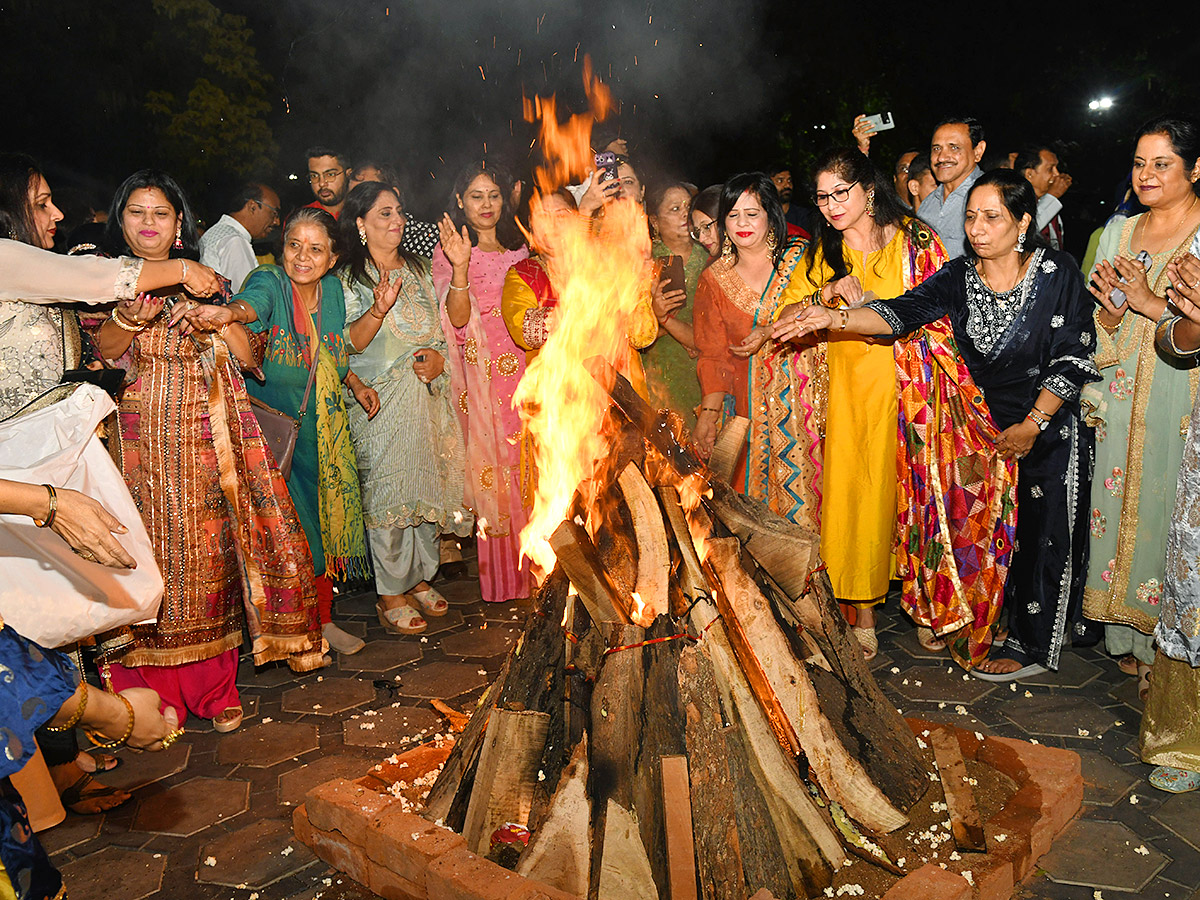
(365, 832)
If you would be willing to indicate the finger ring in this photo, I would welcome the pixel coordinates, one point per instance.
(86, 554)
(1195, 284)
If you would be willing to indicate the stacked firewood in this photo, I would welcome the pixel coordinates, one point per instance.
(686, 713)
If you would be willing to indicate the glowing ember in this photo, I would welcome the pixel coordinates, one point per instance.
(600, 275)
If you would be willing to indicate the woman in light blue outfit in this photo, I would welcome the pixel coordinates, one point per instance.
(410, 454)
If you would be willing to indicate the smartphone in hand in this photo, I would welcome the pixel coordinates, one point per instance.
(671, 274)
(882, 122)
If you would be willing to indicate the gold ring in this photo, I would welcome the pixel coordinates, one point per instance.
(86, 554)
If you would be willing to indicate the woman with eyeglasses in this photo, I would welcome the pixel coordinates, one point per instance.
(865, 247)
(1014, 316)
(778, 387)
(670, 360)
(703, 217)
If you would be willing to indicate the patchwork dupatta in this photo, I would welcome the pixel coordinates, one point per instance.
(956, 498)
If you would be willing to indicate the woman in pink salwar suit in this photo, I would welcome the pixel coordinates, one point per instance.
(479, 242)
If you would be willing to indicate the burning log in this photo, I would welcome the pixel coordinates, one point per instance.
(691, 578)
(579, 560)
(653, 558)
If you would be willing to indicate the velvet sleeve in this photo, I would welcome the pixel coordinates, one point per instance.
(1072, 327)
(715, 366)
(923, 303)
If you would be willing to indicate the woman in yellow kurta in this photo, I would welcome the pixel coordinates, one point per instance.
(862, 251)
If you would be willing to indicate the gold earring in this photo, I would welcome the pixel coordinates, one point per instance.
(727, 248)
(362, 236)
(871, 203)
(772, 242)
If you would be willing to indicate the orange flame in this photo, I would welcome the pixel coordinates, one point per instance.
(638, 611)
(600, 274)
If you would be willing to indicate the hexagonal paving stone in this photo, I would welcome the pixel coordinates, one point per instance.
(1104, 782)
(1073, 672)
(95, 877)
(907, 641)
(1126, 690)
(1103, 855)
(942, 684)
(254, 856)
(71, 832)
(328, 697)
(264, 745)
(360, 603)
(249, 711)
(381, 656)
(441, 624)
(495, 640)
(192, 806)
(442, 679)
(460, 593)
(1181, 814)
(508, 611)
(391, 727)
(1058, 714)
(140, 769)
(295, 784)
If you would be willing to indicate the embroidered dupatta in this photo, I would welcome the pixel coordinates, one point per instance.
(956, 498)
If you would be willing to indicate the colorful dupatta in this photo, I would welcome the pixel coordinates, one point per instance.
(956, 498)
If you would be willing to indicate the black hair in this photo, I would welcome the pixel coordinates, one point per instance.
(1016, 193)
(313, 152)
(974, 128)
(251, 191)
(919, 166)
(707, 201)
(761, 186)
(1184, 135)
(189, 235)
(854, 167)
(508, 235)
(904, 153)
(358, 203)
(17, 172)
(387, 174)
(777, 167)
(1029, 157)
(604, 134)
(655, 197)
(314, 215)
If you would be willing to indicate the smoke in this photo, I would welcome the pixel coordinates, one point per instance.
(428, 86)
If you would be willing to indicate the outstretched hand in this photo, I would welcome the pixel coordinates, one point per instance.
(456, 245)
(809, 320)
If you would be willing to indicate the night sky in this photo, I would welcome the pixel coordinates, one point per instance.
(706, 88)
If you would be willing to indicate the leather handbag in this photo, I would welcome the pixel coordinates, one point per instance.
(279, 430)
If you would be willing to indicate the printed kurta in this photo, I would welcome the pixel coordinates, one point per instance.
(781, 389)
(1140, 412)
(485, 368)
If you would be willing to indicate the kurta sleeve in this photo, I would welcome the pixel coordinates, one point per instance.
(798, 293)
(924, 303)
(260, 293)
(1074, 333)
(643, 326)
(38, 276)
(524, 317)
(715, 366)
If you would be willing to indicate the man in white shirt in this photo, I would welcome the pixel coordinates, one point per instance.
(227, 246)
(954, 156)
(1039, 165)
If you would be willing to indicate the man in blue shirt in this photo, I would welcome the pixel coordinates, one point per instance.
(954, 156)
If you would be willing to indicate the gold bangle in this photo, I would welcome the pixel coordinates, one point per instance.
(109, 745)
(51, 508)
(132, 329)
(455, 287)
(78, 714)
(845, 318)
(371, 310)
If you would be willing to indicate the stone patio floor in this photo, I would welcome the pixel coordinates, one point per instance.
(211, 817)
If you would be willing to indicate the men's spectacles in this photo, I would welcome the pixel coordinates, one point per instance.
(274, 209)
(327, 175)
(702, 231)
(841, 195)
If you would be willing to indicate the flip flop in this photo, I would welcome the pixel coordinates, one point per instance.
(77, 794)
(1029, 670)
(1173, 780)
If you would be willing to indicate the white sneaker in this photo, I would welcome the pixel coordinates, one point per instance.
(341, 641)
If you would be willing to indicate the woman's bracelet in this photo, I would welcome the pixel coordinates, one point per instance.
(183, 277)
(109, 745)
(76, 716)
(51, 508)
(845, 318)
(371, 310)
(1037, 418)
(710, 409)
(132, 329)
(455, 287)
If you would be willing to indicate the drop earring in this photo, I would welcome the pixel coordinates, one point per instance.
(178, 245)
(362, 236)
(727, 248)
(1021, 243)
(772, 242)
(871, 203)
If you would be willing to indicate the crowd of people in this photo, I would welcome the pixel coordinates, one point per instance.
(931, 383)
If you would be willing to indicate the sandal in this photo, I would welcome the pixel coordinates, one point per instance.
(97, 762)
(401, 619)
(229, 720)
(866, 637)
(1176, 781)
(929, 641)
(1128, 664)
(1144, 673)
(1027, 668)
(432, 603)
(77, 798)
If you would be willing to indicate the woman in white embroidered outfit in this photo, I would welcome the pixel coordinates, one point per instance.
(1140, 410)
(410, 454)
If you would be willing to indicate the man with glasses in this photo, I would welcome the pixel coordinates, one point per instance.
(954, 156)
(329, 178)
(227, 247)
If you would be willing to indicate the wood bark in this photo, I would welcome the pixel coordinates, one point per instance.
(506, 774)
(965, 823)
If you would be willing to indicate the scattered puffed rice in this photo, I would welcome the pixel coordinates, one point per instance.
(960, 709)
(1142, 850)
(942, 705)
(158, 856)
(316, 706)
(481, 672)
(918, 684)
(367, 726)
(900, 862)
(1012, 686)
(267, 720)
(1033, 740)
(966, 873)
(541, 775)
(210, 860)
(979, 735)
(895, 671)
(1028, 694)
(955, 856)
(1083, 732)
(1133, 798)
(424, 640)
(320, 678)
(905, 681)
(1001, 838)
(966, 676)
(1096, 895)
(287, 851)
(253, 896)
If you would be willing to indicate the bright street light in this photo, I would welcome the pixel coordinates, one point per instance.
(1102, 103)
